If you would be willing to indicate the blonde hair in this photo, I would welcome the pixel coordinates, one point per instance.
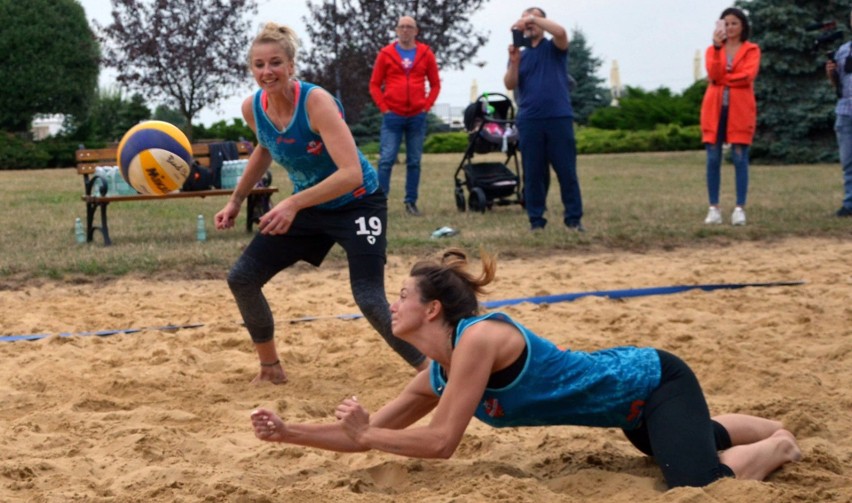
(446, 279)
(274, 33)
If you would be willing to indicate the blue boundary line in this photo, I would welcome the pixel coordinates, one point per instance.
(612, 294)
(544, 299)
(99, 333)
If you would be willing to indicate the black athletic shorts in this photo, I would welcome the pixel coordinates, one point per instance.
(360, 227)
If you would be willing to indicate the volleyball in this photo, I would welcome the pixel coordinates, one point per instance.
(154, 157)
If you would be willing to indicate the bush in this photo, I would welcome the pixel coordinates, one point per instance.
(663, 138)
(62, 151)
(441, 143)
(16, 153)
(590, 140)
(640, 109)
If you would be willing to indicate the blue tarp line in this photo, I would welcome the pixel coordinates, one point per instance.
(544, 299)
(100, 333)
(612, 294)
(632, 292)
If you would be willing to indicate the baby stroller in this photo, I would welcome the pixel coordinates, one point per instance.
(490, 123)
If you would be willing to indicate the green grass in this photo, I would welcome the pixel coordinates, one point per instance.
(635, 202)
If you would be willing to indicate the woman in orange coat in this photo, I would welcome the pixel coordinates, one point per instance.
(729, 110)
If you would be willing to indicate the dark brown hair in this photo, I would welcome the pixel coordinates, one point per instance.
(733, 11)
(447, 280)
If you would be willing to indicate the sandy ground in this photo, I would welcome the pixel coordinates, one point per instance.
(160, 415)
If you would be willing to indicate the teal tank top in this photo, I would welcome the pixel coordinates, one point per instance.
(301, 151)
(604, 388)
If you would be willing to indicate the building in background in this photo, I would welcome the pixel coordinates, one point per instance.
(451, 115)
(46, 125)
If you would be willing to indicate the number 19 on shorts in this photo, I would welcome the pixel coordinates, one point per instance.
(371, 228)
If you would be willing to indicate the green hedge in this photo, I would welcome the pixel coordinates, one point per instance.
(442, 143)
(16, 153)
(597, 141)
(661, 139)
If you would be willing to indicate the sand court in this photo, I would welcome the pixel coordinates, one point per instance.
(162, 415)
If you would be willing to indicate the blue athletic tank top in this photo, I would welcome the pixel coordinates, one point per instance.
(301, 151)
(604, 388)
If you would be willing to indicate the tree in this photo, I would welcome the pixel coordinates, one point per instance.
(235, 131)
(48, 61)
(346, 38)
(109, 117)
(368, 126)
(172, 116)
(795, 102)
(588, 94)
(191, 53)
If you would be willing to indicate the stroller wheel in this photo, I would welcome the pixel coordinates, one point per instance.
(478, 202)
(460, 202)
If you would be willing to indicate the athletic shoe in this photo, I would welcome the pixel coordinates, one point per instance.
(714, 216)
(738, 216)
(844, 212)
(412, 210)
(576, 227)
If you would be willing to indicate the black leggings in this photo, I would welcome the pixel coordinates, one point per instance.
(677, 430)
(366, 277)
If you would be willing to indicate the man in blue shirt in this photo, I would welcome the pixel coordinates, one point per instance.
(539, 75)
(839, 73)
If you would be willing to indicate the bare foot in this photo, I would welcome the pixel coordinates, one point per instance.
(790, 444)
(274, 375)
(756, 461)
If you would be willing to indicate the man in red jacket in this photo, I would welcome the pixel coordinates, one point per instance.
(398, 86)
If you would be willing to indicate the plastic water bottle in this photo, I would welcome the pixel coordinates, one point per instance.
(200, 229)
(487, 109)
(229, 175)
(122, 188)
(78, 231)
(444, 232)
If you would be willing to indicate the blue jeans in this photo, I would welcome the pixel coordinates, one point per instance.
(414, 129)
(843, 129)
(545, 142)
(739, 156)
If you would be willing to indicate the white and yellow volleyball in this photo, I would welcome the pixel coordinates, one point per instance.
(154, 157)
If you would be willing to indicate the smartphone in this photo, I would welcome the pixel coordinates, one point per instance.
(519, 40)
(720, 28)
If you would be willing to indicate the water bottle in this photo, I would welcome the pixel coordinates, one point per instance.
(444, 232)
(228, 175)
(101, 181)
(122, 188)
(78, 231)
(200, 229)
(487, 109)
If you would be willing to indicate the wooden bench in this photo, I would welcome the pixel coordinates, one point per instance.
(89, 159)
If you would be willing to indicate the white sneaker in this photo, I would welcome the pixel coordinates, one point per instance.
(738, 216)
(714, 216)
